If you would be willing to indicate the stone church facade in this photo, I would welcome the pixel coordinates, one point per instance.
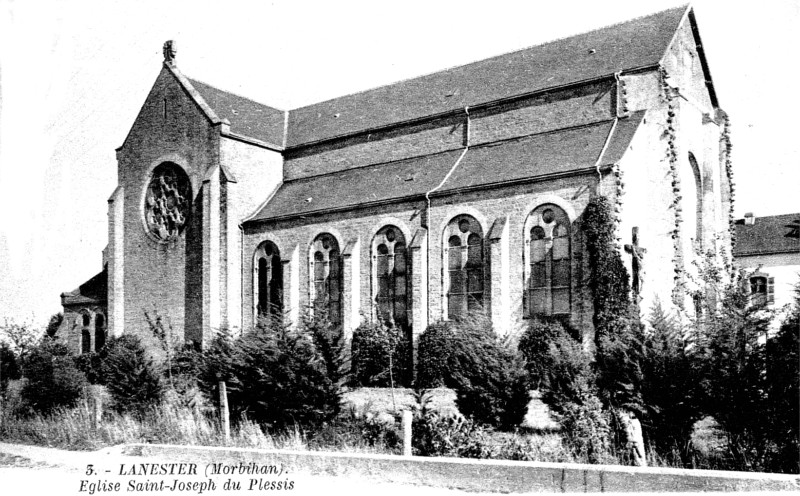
(422, 200)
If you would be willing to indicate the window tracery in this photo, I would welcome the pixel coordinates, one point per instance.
(464, 259)
(326, 277)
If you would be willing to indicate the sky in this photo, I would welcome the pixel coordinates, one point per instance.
(73, 76)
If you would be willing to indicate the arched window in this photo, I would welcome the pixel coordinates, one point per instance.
(268, 281)
(692, 194)
(465, 264)
(326, 277)
(390, 266)
(549, 261)
(99, 332)
(86, 334)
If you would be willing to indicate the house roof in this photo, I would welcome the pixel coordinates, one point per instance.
(768, 235)
(562, 152)
(247, 117)
(635, 44)
(93, 291)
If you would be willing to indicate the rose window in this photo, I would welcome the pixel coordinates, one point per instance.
(166, 204)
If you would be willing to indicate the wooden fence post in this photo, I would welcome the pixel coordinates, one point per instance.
(407, 416)
(224, 414)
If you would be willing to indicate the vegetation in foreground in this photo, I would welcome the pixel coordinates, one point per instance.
(286, 384)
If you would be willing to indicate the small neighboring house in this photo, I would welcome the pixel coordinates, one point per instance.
(768, 249)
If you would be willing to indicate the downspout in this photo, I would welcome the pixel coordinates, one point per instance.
(610, 134)
(428, 200)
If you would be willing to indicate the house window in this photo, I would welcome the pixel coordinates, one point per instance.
(464, 259)
(99, 332)
(390, 265)
(326, 278)
(549, 262)
(268, 281)
(762, 289)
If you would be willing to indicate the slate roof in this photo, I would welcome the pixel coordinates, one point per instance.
(247, 117)
(634, 44)
(774, 234)
(545, 154)
(95, 290)
(564, 151)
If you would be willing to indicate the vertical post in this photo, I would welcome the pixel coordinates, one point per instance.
(97, 403)
(224, 414)
(406, 432)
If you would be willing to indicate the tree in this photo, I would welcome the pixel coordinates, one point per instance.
(131, 376)
(731, 355)
(619, 334)
(52, 378)
(23, 337)
(487, 375)
(283, 378)
(557, 364)
(783, 391)
(670, 391)
(53, 324)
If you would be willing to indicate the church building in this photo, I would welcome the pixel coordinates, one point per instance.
(419, 201)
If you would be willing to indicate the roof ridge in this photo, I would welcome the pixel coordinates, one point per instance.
(684, 7)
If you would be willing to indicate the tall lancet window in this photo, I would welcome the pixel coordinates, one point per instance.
(326, 277)
(390, 280)
(549, 262)
(99, 332)
(268, 281)
(464, 259)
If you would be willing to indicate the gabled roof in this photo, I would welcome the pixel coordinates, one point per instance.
(93, 291)
(566, 151)
(768, 235)
(247, 117)
(636, 44)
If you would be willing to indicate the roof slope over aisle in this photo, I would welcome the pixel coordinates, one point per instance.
(767, 235)
(565, 151)
(629, 45)
(247, 117)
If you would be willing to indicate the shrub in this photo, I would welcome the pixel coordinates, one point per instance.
(783, 392)
(376, 346)
(9, 368)
(132, 379)
(91, 365)
(669, 389)
(731, 356)
(488, 377)
(283, 379)
(52, 379)
(557, 362)
(449, 435)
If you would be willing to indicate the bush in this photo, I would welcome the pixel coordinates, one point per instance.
(447, 435)
(132, 379)
(91, 365)
(284, 379)
(731, 356)
(488, 377)
(9, 368)
(783, 392)
(669, 389)
(374, 347)
(52, 379)
(558, 364)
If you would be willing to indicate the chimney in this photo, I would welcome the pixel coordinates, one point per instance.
(749, 219)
